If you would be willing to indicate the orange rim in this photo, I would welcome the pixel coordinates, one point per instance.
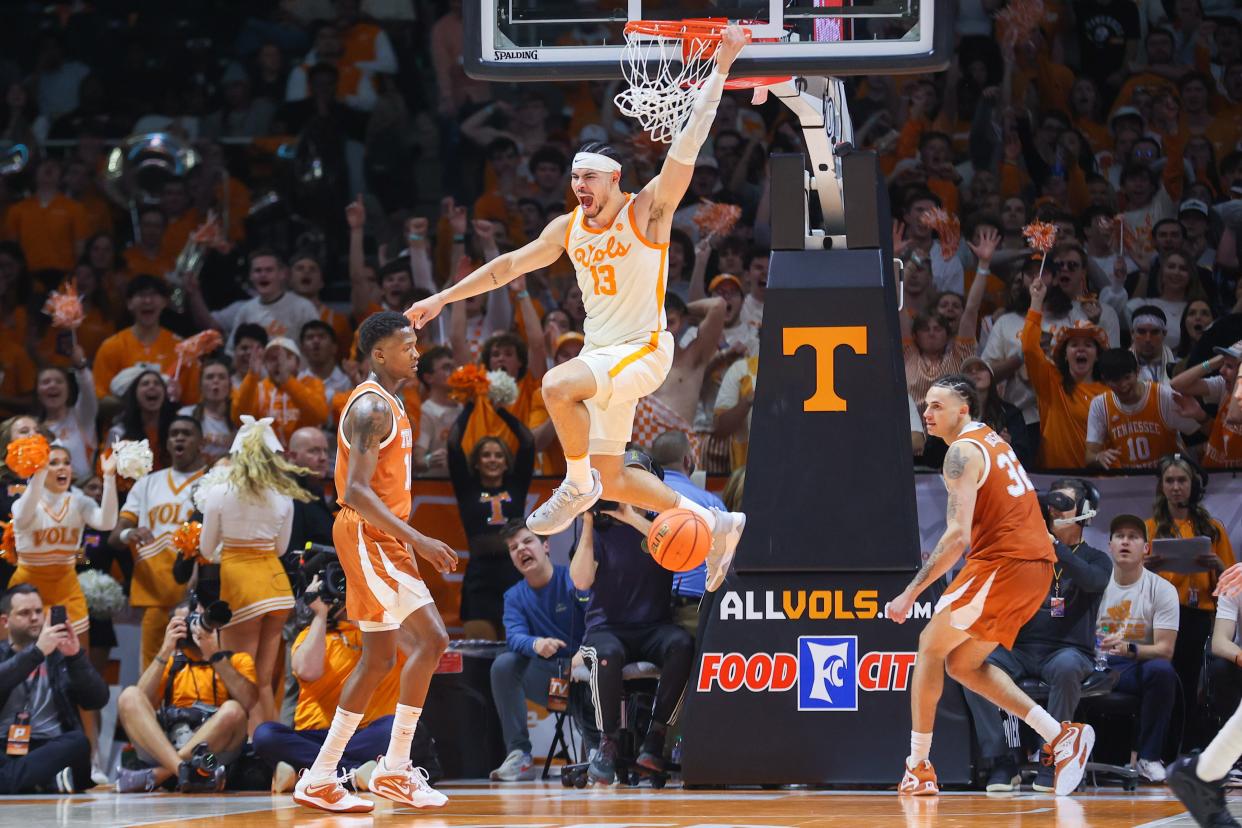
(702, 29)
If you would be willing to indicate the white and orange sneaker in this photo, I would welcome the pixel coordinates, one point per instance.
(1068, 755)
(405, 784)
(919, 780)
(328, 794)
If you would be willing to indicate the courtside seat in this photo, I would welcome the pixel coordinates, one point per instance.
(1098, 687)
(631, 674)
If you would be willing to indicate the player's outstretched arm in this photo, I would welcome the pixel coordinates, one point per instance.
(668, 188)
(369, 422)
(500, 271)
(963, 465)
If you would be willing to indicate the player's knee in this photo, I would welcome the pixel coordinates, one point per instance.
(430, 647)
(566, 384)
(375, 665)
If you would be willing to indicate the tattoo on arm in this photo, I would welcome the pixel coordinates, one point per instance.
(369, 421)
(951, 511)
(495, 283)
(954, 463)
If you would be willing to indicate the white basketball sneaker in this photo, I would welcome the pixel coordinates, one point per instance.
(565, 504)
(405, 784)
(725, 537)
(328, 794)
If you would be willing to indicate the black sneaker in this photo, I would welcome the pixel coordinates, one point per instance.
(201, 773)
(1004, 776)
(1045, 779)
(1204, 800)
(603, 769)
(651, 756)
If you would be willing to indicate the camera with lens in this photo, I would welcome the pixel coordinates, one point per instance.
(321, 560)
(601, 506)
(213, 615)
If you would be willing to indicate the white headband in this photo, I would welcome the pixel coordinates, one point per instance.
(1149, 319)
(595, 161)
(249, 426)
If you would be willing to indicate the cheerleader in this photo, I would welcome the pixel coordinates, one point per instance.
(48, 523)
(247, 521)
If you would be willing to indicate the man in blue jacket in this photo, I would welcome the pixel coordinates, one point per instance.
(544, 624)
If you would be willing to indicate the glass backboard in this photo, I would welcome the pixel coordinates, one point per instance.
(510, 40)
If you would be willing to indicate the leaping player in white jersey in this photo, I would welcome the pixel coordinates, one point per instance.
(618, 243)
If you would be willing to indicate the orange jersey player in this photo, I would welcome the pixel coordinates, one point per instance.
(384, 593)
(993, 508)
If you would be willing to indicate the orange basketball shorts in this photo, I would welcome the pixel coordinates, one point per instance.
(382, 582)
(991, 599)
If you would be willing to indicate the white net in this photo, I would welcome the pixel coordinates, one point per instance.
(663, 72)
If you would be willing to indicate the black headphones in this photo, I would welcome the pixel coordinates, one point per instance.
(1198, 477)
(1086, 505)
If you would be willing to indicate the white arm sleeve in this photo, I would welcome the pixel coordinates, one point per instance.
(686, 145)
(103, 515)
(1097, 421)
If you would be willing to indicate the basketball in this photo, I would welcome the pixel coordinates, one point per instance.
(679, 540)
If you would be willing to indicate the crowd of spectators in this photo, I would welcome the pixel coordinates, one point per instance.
(346, 164)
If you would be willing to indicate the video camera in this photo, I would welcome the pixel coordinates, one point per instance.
(319, 559)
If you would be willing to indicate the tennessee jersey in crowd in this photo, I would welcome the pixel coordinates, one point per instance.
(384, 584)
(1143, 433)
(1009, 564)
(299, 402)
(1224, 445)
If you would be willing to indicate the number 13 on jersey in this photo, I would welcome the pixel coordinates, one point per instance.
(605, 279)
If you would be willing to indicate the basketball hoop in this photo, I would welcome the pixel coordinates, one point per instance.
(662, 89)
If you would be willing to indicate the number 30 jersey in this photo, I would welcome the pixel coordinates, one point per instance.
(622, 276)
(1007, 521)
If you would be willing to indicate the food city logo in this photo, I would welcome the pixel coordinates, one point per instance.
(517, 54)
(826, 671)
(815, 604)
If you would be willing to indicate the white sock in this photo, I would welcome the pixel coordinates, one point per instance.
(342, 730)
(1043, 724)
(403, 725)
(578, 472)
(684, 502)
(1218, 757)
(920, 748)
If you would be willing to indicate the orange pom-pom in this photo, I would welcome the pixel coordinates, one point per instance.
(185, 539)
(1018, 21)
(468, 382)
(947, 227)
(65, 307)
(8, 545)
(27, 455)
(199, 345)
(1040, 235)
(716, 219)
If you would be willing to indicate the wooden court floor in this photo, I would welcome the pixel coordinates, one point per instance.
(542, 805)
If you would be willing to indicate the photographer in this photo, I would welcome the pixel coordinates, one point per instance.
(44, 678)
(1056, 645)
(323, 656)
(629, 618)
(187, 714)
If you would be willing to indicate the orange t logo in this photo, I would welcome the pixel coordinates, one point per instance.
(825, 342)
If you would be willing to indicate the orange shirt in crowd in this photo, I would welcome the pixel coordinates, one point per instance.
(138, 261)
(49, 235)
(1201, 583)
(299, 402)
(1062, 416)
(529, 409)
(123, 349)
(198, 682)
(340, 327)
(317, 700)
(17, 372)
(98, 213)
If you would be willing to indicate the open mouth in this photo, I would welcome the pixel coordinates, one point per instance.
(586, 200)
(525, 559)
(62, 478)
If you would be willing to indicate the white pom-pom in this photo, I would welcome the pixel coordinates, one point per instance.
(104, 596)
(133, 458)
(502, 389)
(218, 476)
